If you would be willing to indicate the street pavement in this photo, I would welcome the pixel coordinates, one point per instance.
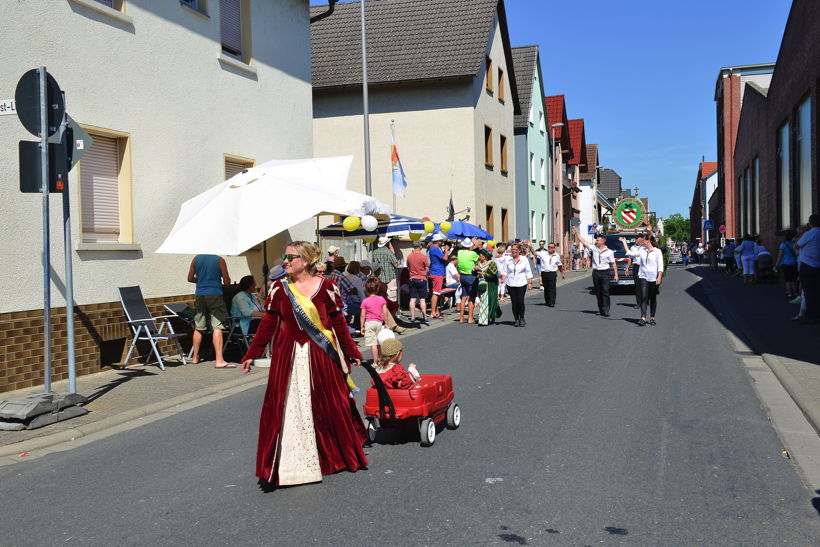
(576, 430)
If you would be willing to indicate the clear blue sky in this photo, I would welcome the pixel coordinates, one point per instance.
(642, 75)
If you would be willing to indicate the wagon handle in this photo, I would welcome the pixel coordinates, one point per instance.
(386, 408)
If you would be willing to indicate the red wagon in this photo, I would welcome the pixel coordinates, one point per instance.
(427, 403)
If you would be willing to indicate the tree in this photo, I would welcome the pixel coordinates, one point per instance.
(676, 227)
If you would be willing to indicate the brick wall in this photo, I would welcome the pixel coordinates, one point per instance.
(102, 338)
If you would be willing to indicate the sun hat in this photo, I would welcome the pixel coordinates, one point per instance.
(467, 242)
(439, 237)
(276, 272)
(384, 334)
(332, 249)
(384, 240)
(391, 347)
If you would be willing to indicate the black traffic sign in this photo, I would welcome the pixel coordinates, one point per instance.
(27, 102)
(31, 167)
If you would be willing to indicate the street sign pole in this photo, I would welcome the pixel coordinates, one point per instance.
(46, 234)
(69, 267)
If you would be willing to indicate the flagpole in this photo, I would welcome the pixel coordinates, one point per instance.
(393, 134)
(366, 109)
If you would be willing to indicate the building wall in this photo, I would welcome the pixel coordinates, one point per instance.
(522, 182)
(434, 129)
(492, 186)
(156, 74)
(586, 203)
(537, 144)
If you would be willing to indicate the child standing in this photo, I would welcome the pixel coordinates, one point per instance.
(374, 310)
(390, 369)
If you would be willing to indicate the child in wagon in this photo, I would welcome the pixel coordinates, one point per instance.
(390, 369)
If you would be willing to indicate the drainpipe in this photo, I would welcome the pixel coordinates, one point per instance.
(330, 7)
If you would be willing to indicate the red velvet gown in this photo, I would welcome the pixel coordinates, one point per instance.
(336, 424)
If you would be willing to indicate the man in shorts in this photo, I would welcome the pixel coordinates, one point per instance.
(467, 258)
(210, 272)
(438, 271)
(418, 267)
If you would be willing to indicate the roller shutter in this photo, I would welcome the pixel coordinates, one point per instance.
(99, 190)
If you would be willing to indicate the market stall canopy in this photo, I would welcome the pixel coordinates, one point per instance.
(393, 225)
(465, 229)
(262, 201)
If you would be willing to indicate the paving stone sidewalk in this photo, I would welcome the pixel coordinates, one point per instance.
(760, 315)
(117, 396)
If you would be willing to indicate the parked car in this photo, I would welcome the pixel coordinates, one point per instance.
(625, 278)
(675, 257)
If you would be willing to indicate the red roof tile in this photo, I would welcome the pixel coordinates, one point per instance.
(577, 139)
(707, 168)
(556, 113)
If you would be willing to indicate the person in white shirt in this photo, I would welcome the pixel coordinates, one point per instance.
(451, 278)
(549, 264)
(518, 279)
(809, 269)
(603, 260)
(500, 260)
(650, 275)
(635, 253)
(541, 248)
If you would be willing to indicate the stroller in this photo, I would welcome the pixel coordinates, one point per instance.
(764, 268)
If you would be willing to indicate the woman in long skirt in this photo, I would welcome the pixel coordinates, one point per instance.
(488, 309)
(309, 425)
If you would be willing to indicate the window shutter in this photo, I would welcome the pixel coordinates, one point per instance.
(99, 189)
(233, 168)
(230, 15)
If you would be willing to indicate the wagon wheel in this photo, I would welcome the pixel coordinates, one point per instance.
(453, 416)
(372, 428)
(428, 432)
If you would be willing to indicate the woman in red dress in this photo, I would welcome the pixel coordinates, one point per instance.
(310, 425)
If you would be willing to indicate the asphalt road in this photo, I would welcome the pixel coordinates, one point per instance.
(576, 430)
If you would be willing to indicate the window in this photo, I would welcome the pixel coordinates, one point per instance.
(543, 174)
(500, 85)
(541, 125)
(105, 189)
(503, 146)
(783, 179)
(533, 234)
(532, 168)
(749, 201)
(756, 193)
(488, 147)
(802, 159)
(114, 4)
(235, 165)
(543, 226)
(741, 206)
(200, 6)
(489, 75)
(488, 216)
(504, 225)
(231, 28)
(532, 113)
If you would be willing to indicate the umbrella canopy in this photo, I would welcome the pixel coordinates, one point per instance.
(465, 229)
(262, 201)
(393, 225)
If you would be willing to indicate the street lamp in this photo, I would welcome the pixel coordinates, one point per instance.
(552, 179)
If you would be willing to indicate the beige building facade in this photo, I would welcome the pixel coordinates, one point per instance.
(178, 96)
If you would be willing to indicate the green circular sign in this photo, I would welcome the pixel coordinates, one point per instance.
(629, 213)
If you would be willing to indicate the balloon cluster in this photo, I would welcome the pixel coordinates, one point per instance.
(369, 223)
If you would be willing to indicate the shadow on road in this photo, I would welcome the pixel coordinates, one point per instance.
(124, 376)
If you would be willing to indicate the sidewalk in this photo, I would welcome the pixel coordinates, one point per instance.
(759, 314)
(117, 397)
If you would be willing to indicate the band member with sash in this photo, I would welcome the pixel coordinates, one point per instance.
(309, 425)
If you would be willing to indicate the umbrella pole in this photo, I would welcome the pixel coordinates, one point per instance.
(265, 268)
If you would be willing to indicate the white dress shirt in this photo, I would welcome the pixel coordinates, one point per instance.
(501, 262)
(518, 273)
(651, 265)
(602, 259)
(637, 253)
(548, 262)
(451, 274)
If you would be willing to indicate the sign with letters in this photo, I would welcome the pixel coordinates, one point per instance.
(7, 107)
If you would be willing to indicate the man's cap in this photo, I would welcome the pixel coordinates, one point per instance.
(467, 242)
(332, 249)
(383, 241)
(339, 263)
(391, 347)
(276, 272)
(439, 237)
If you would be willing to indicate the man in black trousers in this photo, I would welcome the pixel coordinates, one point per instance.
(603, 259)
(550, 264)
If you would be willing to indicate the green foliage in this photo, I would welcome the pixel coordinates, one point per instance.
(676, 227)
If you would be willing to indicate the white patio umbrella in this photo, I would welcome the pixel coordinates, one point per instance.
(263, 201)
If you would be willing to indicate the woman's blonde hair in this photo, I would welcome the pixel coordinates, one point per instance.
(309, 252)
(385, 360)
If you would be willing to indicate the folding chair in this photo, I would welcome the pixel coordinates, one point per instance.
(143, 326)
(184, 313)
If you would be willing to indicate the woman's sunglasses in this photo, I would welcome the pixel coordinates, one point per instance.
(290, 258)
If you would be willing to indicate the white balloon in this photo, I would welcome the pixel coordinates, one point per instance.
(369, 223)
(384, 334)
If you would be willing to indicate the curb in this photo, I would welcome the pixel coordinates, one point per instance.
(72, 434)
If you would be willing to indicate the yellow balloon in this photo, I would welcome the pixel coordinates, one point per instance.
(429, 226)
(445, 226)
(351, 224)
(415, 236)
(369, 239)
(491, 243)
